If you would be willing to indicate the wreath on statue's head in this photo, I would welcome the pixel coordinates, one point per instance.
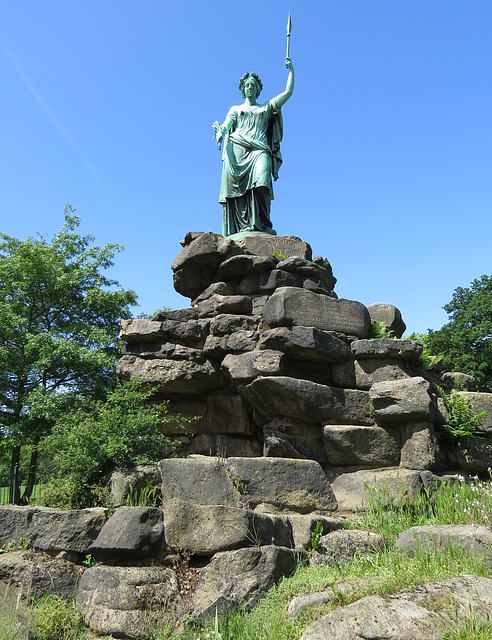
(256, 78)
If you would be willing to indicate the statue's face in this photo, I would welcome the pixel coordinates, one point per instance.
(250, 88)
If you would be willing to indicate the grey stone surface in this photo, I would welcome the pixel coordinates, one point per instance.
(279, 443)
(290, 306)
(128, 602)
(192, 281)
(481, 402)
(173, 377)
(472, 455)
(37, 575)
(476, 539)
(305, 343)
(226, 414)
(199, 479)
(208, 529)
(352, 489)
(342, 546)
(304, 525)
(206, 444)
(217, 304)
(389, 316)
(297, 485)
(308, 401)
(226, 323)
(420, 446)
(369, 446)
(207, 250)
(131, 532)
(458, 380)
(370, 371)
(405, 400)
(265, 245)
(139, 330)
(122, 481)
(15, 522)
(245, 367)
(57, 530)
(216, 288)
(408, 614)
(268, 282)
(409, 350)
(240, 266)
(240, 578)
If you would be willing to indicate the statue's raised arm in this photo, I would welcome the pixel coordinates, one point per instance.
(251, 133)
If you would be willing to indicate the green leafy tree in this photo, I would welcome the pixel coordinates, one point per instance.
(59, 321)
(466, 340)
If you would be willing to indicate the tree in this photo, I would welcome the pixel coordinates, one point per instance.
(466, 340)
(59, 321)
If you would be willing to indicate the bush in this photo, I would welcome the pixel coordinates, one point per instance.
(120, 432)
(56, 619)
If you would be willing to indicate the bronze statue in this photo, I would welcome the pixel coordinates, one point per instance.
(251, 133)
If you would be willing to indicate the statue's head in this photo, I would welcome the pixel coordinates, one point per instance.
(255, 77)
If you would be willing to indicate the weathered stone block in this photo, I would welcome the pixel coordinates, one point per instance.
(409, 350)
(173, 377)
(283, 438)
(473, 455)
(405, 400)
(206, 444)
(420, 446)
(226, 414)
(481, 402)
(370, 371)
(248, 366)
(268, 281)
(216, 288)
(208, 529)
(244, 265)
(369, 446)
(138, 330)
(224, 304)
(192, 281)
(229, 323)
(266, 245)
(298, 485)
(308, 401)
(137, 478)
(291, 306)
(305, 343)
(389, 316)
(207, 250)
(57, 530)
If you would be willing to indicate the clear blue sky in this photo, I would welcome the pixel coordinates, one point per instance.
(387, 139)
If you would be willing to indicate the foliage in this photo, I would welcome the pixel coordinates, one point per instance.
(56, 619)
(463, 422)
(145, 497)
(378, 330)
(278, 255)
(466, 338)
(316, 536)
(59, 321)
(9, 608)
(427, 360)
(100, 436)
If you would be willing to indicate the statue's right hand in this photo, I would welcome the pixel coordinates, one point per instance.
(219, 135)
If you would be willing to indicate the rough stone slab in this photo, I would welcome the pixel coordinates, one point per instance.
(74, 530)
(193, 281)
(473, 455)
(476, 539)
(405, 400)
(127, 602)
(299, 265)
(308, 401)
(351, 489)
(481, 402)
(208, 529)
(369, 446)
(200, 479)
(15, 522)
(305, 343)
(420, 446)
(388, 316)
(37, 575)
(303, 526)
(226, 414)
(207, 444)
(307, 600)
(207, 250)
(457, 380)
(219, 288)
(342, 546)
(371, 371)
(283, 438)
(298, 485)
(180, 377)
(136, 479)
(139, 330)
(409, 350)
(131, 532)
(245, 367)
(268, 281)
(240, 578)
(217, 304)
(266, 245)
(227, 323)
(292, 306)
(244, 265)
(408, 614)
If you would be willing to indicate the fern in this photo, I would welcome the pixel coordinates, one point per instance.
(463, 422)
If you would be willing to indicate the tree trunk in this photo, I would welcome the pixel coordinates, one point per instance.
(31, 478)
(14, 489)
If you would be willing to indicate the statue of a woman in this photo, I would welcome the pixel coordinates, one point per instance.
(251, 156)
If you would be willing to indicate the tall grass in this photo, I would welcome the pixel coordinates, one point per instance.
(10, 629)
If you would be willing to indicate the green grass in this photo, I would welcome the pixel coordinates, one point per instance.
(9, 607)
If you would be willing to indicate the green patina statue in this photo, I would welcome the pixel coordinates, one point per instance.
(252, 133)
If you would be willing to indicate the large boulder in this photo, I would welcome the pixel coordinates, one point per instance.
(389, 317)
(207, 250)
(207, 529)
(420, 446)
(245, 367)
(308, 401)
(369, 446)
(305, 343)
(405, 400)
(54, 530)
(292, 306)
(131, 532)
(128, 602)
(414, 613)
(238, 579)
